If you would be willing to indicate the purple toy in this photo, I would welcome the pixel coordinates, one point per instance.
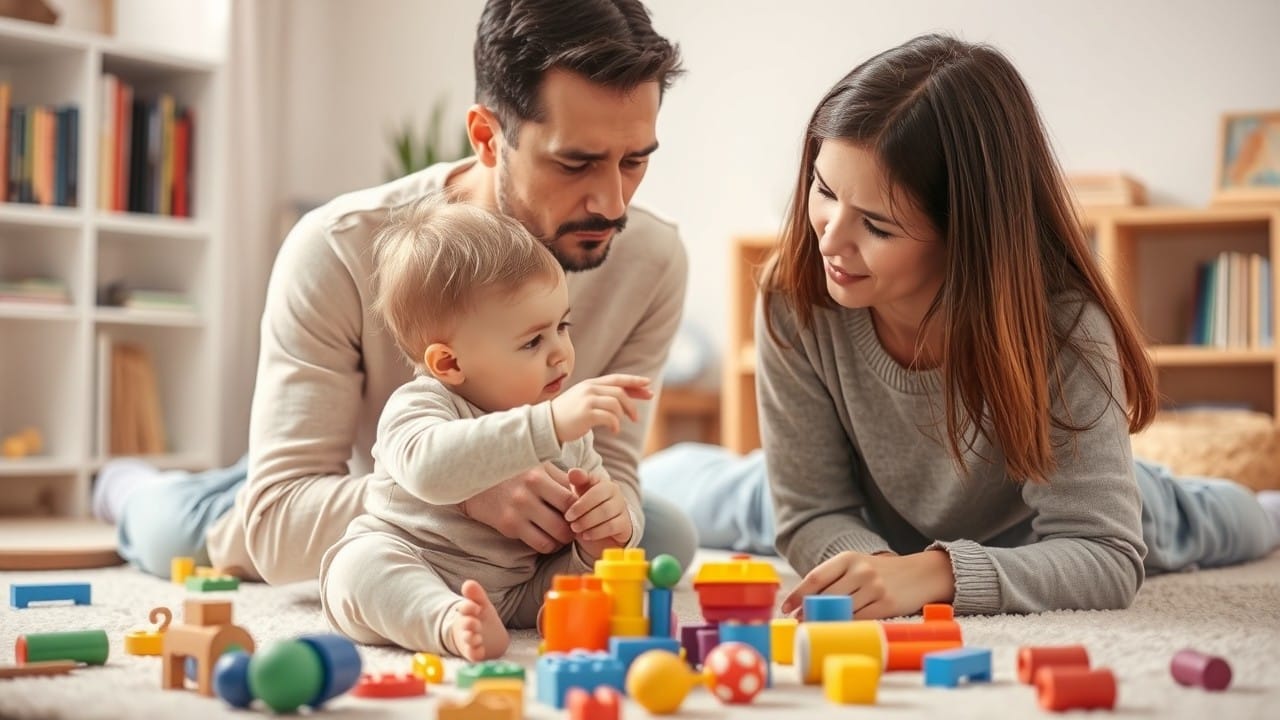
(1191, 667)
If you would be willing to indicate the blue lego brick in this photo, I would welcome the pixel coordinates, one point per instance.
(756, 635)
(946, 668)
(20, 596)
(627, 649)
(558, 672)
(828, 608)
(660, 612)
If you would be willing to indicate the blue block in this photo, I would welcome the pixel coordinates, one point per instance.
(627, 649)
(756, 635)
(20, 596)
(946, 668)
(558, 672)
(660, 612)
(341, 662)
(828, 608)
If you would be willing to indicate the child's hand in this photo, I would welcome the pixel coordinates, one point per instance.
(599, 402)
(599, 518)
(882, 586)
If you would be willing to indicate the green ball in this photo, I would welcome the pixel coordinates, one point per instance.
(665, 571)
(286, 675)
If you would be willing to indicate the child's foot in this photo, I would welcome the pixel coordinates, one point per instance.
(476, 630)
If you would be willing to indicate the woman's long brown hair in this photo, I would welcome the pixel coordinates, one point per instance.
(957, 131)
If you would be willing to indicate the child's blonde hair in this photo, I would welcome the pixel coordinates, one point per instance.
(434, 259)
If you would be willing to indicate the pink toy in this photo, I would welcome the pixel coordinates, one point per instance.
(1194, 668)
(734, 672)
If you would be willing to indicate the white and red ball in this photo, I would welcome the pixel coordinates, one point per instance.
(734, 672)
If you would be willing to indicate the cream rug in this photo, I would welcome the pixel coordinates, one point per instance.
(1233, 612)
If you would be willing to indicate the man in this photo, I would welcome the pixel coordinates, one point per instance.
(567, 97)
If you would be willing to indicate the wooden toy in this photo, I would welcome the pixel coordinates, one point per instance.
(735, 672)
(828, 608)
(469, 674)
(1066, 687)
(782, 639)
(47, 667)
(149, 642)
(659, 681)
(21, 595)
(575, 615)
(948, 667)
(389, 685)
(510, 688)
(1032, 659)
(207, 633)
(604, 704)
(623, 572)
(1196, 669)
(429, 667)
(181, 568)
(86, 646)
(627, 649)
(850, 679)
(815, 641)
(740, 589)
(480, 706)
(25, 442)
(557, 672)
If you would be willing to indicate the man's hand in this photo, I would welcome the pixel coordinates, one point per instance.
(598, 402)
(598, 518)
(529, 507)
(882, 586)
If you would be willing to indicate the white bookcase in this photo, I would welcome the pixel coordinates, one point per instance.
(51, 372)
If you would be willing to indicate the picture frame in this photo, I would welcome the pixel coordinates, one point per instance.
(1248, 160)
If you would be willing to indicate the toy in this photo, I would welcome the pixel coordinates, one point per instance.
(231, 679)
(815, 641)
(1064, 687)
(756, 635)
(149, 642)
(429, 667)
(210, 584)
(27, 441)
(707, 640)
(206, 634)
(850, 679)
(689, 642)
(604, 704)
(1032, 659)
(86, 646)
(309, 670)
(628, 649)
(384, 686)
(576, 614)
(661, 619)
(740, 589)
(557, 672)
(469, 674)
(1194, 668)
(22, 595)
(665, 571)
(480, 706)
(659, 681)
(181, 568)
(47, 667)
(735, 672)
(910, 655)
(910, 642)
(946, 668)
(510, 688)
(623, 572)
(828, 608)
(782, 639)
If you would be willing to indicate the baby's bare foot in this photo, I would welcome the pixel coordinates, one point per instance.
(477, 631)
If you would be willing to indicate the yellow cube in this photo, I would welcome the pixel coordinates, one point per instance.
(181, 568)
(782, 639)
(850, 679)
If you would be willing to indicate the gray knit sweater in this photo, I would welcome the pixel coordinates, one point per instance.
(856, 462)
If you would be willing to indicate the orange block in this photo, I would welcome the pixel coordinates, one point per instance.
(1032, 659)
(1063, 687)
(910, 655)
(576, 614)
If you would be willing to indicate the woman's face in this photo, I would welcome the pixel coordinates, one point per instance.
(871, 257)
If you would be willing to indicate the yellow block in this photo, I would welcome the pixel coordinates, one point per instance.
(144, 642)
(850, 679)
(629, 626)
(181, 568)
(510, 688)
(737, 570)
(815, 641)
(208, 572)
(782, 639)
(623, 564)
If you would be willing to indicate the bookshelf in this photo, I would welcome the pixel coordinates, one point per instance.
(54, 365)
(1151, 256)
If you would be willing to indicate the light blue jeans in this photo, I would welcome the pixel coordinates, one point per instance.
(168, 518)
(1186, 522)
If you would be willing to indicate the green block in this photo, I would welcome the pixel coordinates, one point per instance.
(209, 584)
(489, 669)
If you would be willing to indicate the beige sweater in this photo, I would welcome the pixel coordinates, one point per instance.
(327, 367)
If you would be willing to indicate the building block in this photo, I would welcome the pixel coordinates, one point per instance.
(660, 615)
(22, 595)
(757, 635)
(816, 641)
(665, 571)
(624, 572)
(181, 568)
(510, 688)
(86, 646)
(206, 612)
(604, 704)
(627, 649)
(149, 642)
(939, 625)
(739, 589)
(206, 635)
(850, 679)
(385, 686)
(489, 669)
(707, 641)
(576, 614)
(480, 706)
(735, 672)
(1032, 659)
(782, 639)
(1196, 669)
(910, 655)
(659, 681)
(948, 667)
(689, 642)
(557, 672)
(212, 584)
(341, 663)
(208, 572)
(828, 608)
(1065, 687)
(429, 667)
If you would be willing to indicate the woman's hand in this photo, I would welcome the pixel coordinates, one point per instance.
(882, 586)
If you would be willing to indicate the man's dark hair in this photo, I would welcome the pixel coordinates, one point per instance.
(610, 42)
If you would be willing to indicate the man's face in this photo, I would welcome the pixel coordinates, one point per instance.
(571, 176)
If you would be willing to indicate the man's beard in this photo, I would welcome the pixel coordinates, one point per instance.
(568, 261)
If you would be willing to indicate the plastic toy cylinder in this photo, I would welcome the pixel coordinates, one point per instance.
(576, 614)
(910, 655)
(86, 646)
(1032, 659)
(1061, 687)
(828, 608)
(927, 631)
(1194, 668)
(660, 612)
(341, 663)
(816, 641)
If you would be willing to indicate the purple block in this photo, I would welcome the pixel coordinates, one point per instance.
(689, 641)
(1191, 667)
(707, 640)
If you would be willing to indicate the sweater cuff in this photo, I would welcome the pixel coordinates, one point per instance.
(977, 583)
(543, 430)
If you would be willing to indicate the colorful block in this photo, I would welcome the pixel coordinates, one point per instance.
(197, 583)
(850, 679)
(1063, 687)
(828, 608)
(181, 568)
(624, 572)
(489, 669)
(949, 667)
(689, 642)
(740, 589)
(480, 706)
(558, 672)
(22, 595)
(510, 688)
(782, 639)
(627, 649)
(660, 612)
(757, 635)
(604, 704)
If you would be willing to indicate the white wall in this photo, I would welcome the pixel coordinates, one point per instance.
(1135, 86)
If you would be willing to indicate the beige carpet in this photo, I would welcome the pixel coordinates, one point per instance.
(1233, 612)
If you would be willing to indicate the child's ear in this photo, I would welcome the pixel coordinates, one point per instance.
(483, 131)
(442, 363)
